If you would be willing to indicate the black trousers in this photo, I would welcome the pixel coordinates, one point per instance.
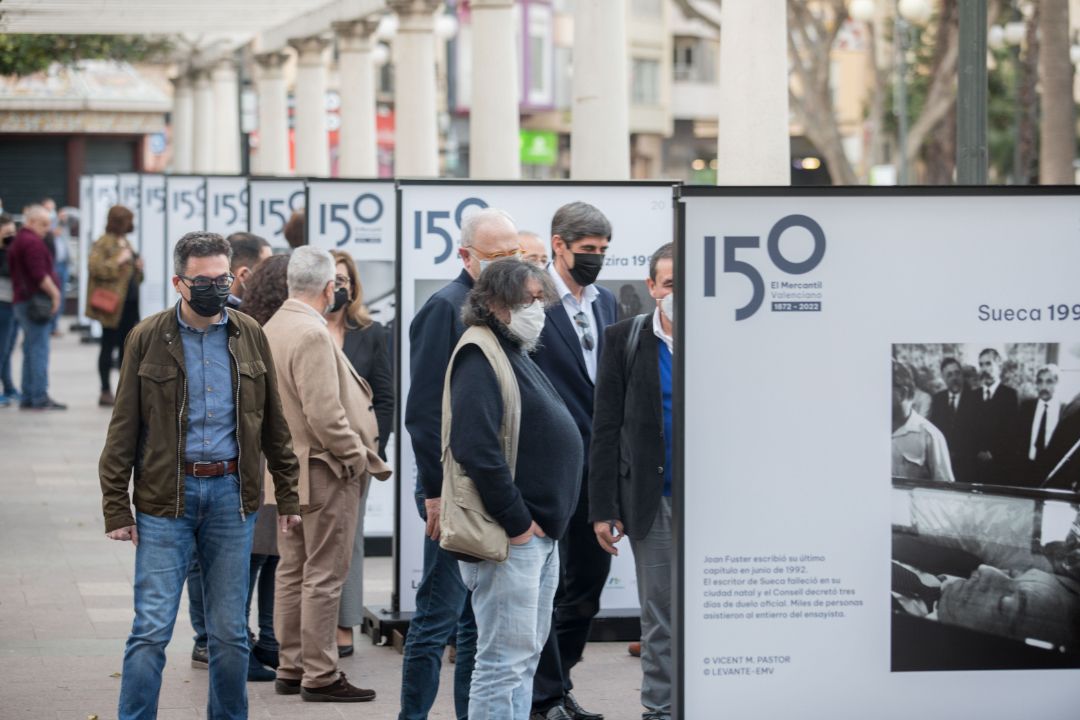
(112, 339)
(584, 568)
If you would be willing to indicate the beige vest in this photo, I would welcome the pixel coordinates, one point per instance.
(467, 528)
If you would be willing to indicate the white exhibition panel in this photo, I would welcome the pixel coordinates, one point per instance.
(86, 228)
(184, 213)
(360, 217)
(226, 204)
(431, 216)
(151, 234)
(356, 216)
(271, 202)
(787, 507)
(129, 198)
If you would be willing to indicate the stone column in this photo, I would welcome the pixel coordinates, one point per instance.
(183, 128)
(416, 140)
(494, 123)
(204, 142)
(357, 151)
(753, 147)
(226, 89)
(309, 128)
(600, 124)
(272, 157)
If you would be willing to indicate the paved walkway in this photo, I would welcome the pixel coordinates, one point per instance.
(66, 597)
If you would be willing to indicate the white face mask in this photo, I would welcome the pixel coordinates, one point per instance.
(667, 306)
(527, 322)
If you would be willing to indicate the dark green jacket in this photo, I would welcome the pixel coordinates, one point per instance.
(149, 423)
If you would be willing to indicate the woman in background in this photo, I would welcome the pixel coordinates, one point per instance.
(364, 343)
(112, 297)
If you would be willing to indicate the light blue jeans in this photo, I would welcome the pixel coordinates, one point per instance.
(213, 530)
(512, 602)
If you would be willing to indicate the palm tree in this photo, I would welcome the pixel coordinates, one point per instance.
(1058, 126)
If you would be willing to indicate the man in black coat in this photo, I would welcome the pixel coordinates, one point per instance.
(442, 604)
(630, 482)
(993, 447)
(1037, 424)
(953, 412)
(569, 351)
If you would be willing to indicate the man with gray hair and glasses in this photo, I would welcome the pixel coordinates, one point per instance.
(196, 406)
(442, 603)
(334, 433)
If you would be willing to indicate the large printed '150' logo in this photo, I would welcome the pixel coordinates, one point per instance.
(733, 243)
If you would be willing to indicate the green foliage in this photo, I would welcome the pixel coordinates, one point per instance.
(27, 54)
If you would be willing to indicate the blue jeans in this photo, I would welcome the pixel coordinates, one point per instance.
(35, 369)
(8, 330)
(263, 568)
(212, 529)
(62, 273)
(442, 606)
(513, 602)
(196, 602)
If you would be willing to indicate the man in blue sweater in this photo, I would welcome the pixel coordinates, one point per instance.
(441, 600)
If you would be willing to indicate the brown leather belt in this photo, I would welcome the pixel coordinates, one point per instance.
(210, 469)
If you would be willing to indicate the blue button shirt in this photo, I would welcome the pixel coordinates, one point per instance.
(211, 432)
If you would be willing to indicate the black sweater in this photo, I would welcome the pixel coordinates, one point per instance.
(547, 479)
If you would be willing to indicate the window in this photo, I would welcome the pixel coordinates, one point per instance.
(694, 60)
(645, 78)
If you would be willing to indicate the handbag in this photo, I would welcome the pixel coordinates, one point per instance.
(467, 529)
(104, 301)
(39, 308)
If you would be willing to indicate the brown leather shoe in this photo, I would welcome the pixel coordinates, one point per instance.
(338, 691)
(634, 649)
(106, 399)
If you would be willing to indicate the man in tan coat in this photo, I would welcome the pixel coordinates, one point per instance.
(329, 411)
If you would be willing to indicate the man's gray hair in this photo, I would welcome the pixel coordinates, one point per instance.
(1049, 368)
(578, 220)
(479, 219)
(36, 209)
(199, 244)
(310, 269)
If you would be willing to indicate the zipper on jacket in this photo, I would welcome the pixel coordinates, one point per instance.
(179, 443)
(236, 425)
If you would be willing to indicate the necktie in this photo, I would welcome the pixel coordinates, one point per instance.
(986, 394)
(953, 399)
(1040, 434)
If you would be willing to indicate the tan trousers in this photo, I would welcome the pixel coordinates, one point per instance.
(314, 562)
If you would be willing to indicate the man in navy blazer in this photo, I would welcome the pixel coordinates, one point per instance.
(569, 353)
(631, 457)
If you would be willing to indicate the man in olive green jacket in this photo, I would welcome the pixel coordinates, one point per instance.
(196, 403)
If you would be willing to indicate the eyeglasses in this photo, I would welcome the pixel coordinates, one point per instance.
(582, 321)
(201, 281)
(497, 255)
(341, 281)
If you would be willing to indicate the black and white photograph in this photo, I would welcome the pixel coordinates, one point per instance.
(985, 464)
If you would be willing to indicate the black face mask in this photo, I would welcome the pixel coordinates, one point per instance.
(341, 299)
(208, 301)
(586, 268)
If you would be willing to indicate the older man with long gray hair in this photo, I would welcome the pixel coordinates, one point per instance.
(330, 414)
